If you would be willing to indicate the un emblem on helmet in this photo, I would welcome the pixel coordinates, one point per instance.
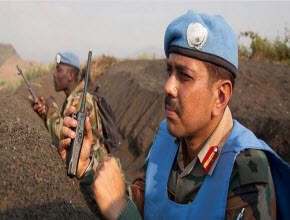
(196, 35)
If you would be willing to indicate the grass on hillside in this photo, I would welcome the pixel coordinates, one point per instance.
(262, 49)
(35, 72)
(99, 65)
(30, 73)
(145, 56)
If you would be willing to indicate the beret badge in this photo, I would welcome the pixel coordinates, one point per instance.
(196, 35)
(57, 58)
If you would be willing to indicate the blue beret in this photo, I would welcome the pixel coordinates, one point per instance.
(204, 37)
(68, 58)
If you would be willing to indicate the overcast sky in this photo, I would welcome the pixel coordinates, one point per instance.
(38, 29)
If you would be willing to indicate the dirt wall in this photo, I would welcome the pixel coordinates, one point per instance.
(33, 180)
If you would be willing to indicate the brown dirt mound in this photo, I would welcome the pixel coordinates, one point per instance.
(99, 65)
(134, 89)
(7, 51)
(33, 180)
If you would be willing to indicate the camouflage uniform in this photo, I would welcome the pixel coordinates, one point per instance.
(55, 117)
(251, 185)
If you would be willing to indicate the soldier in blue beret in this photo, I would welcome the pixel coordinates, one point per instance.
(202, 164)
(65, 79)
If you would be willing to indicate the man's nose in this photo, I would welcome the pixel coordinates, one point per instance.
(170, 86)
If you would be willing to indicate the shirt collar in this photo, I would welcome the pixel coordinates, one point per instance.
(217, 138)
(77, 89)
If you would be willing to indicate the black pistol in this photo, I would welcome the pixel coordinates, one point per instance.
(76, 144)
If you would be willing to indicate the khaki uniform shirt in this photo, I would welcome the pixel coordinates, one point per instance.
(55, 117)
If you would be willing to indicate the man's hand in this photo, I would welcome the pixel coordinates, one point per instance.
(40, 107)
(109, 188)
(66, 134)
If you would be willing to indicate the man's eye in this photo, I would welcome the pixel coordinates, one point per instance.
(184, 76)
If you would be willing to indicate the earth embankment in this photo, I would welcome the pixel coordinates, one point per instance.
(33, 180)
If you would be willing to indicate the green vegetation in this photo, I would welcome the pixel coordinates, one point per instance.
(145, 56)
(8, 87)
(263, 49)
(37, 71)
(30, 73)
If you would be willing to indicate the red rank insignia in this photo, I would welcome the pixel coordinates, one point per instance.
(210, 157)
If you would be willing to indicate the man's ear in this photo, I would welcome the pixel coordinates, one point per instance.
(222, 93)
(70, 75)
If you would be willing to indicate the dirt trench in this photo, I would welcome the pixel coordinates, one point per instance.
(33, 180)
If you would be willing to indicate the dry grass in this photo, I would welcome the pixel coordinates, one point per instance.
(9, 78)
(262, 49)
(99, 65)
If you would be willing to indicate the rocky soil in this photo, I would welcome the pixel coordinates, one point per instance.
(33, 180)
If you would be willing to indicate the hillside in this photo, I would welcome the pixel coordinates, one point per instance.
(7, 51)
(9, 58)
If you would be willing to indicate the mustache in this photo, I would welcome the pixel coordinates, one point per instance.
(169, 100)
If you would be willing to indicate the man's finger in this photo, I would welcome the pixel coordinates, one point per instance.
(89, 134)
(67, 133)
(41, 108)
(42, 111)
(63, 144)
(42, 100)
(35, 107)
(69, 122)
(70, 111)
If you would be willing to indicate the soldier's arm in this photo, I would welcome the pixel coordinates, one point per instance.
(137, 189)
(251, 187)
(135, 197)
(98, 149)
(54, 120)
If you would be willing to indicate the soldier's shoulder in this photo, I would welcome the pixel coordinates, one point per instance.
(252, 167)
(77, 99)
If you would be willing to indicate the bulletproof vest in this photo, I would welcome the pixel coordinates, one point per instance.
(210, 201)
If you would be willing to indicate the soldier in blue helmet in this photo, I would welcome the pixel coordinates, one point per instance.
(65, 78)
(203, 164)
